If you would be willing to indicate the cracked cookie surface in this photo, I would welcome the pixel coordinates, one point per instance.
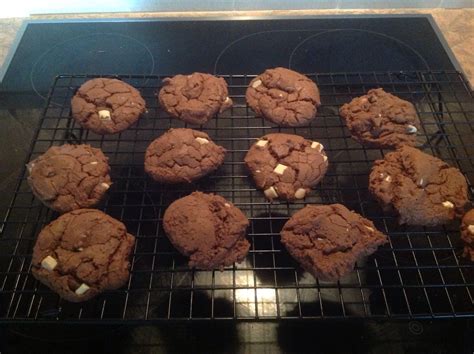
(421, 188)
(284, 97)
(81, 254)
(467, 234)
(382, 120)
(69, 177)
(182, 155)
(327, 240)
(107, 106)
(286, 166)
(208, 229)
(194, 98)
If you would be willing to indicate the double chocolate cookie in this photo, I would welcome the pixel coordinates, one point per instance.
(467, 234)
(182, 155)
(107, 106)
(82, 253)
(286, 166)
(284, 97)
(421, 188)
(327, 240)
(69, 177)
(194, 98)
(382, 120)
(208, 229)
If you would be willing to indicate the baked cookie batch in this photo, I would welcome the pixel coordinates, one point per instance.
(85, 252)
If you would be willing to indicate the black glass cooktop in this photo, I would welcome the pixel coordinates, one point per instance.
(224, 47)
(309, 45)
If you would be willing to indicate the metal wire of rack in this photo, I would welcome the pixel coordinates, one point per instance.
(419, 274)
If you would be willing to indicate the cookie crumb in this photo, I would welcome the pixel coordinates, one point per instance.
(49, 263)
(325, 158)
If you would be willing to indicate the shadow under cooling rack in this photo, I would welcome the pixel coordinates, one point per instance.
(419, 274)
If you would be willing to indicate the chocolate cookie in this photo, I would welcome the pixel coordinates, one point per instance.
(284, 97)
(382, 120)
(327, 240)
(107, 106)
(182, 155)
(467, 234)
(82, 253)
(286, 166)
(194, 98)
(421, 188)
(208, 229)
(69, 177)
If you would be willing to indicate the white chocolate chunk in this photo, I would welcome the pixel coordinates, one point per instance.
(105, 185)
(227, 205)
(411, 129)
(30, 166)
(227, 100)
(258, 171)
(448, 204)
(49, 263)
(256, 83)
(261, 143)
(319, 238)
(470, 228)
(202, 141)
(93, 163)
(80, 249)
(300, 193)
(104, 115)
(316, 145)
(388, 179)
(370, 228)
(420, 182)
(280, 169)
(325, 158)
(270, 193)
(82, 289)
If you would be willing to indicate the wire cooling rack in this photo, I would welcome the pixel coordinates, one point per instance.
(419, 274)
